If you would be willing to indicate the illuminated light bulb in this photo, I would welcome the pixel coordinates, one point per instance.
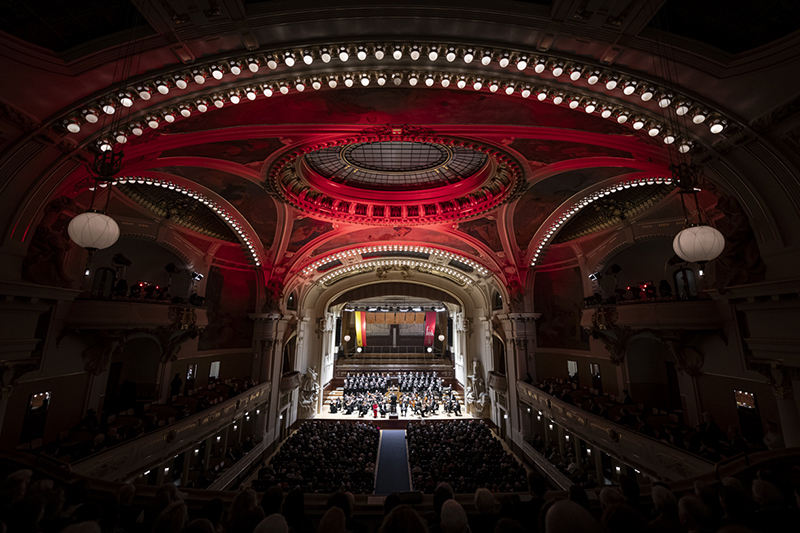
(629, 87)
(325, 55)
(433, 54)
(493, 86)
(429, 81)
(461, 83)
(379, 53)
(145, 92)
(361, 54)
(381, 80)
(412, 79)
(486, 58)
(199, 76)
(414, 55)
(699, 116)
(717, 126)
(364, 80)
(73, 125)
(477, 85)
(161, 86)
(450, 56)
(468, 56)
(125, 98)
(108, 107)
(343, 55)
(308, 57)
(398, 53)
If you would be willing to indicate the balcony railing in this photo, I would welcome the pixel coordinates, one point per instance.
(132, 458)
(130, 314)
(670, 314)
(649, 455)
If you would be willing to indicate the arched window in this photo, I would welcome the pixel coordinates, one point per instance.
(291, 302)
(685, 284)
(499, 355)
(497, 303)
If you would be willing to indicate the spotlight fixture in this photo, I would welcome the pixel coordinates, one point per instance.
(125, 98)
(308, 57)
(216, 71)
(288, 58)
(717, 125)
(253, 64)
(199, 75)
(699, 115)
(72, 124)
(235, 66)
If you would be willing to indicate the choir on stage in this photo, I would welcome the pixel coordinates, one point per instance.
(420, 393)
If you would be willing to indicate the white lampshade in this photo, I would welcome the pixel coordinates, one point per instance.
(441, 338)
(93, 231)
(698, 244)
(347, 338)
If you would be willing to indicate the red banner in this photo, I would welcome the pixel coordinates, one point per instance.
(361, 328)
(430, 328)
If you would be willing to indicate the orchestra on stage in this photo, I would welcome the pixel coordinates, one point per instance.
(421, 393)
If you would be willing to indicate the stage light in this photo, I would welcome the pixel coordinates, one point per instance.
(253, 64)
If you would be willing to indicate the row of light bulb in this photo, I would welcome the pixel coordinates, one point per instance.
(234, 96)
(368, 265)
(435, 53)
(586, 200)
(393, 248)
(211, 204)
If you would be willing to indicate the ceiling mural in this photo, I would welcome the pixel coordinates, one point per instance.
(485, 230)
(545, 196)
(305, 230)
(540, 153)
(398, 234)
(246, 152)
(245, 196)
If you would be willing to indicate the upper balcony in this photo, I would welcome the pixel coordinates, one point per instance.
(647, 454)
(130, 314)
(655, 314)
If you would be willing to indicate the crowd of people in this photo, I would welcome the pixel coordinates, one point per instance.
(421, 393)
(322, 456)
(706, 439)
(464, 454)
(769, 503)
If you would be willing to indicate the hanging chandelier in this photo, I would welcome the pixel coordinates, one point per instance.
(697, 242)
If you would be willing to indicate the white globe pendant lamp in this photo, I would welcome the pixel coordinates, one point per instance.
(698, 244)
(93, 230)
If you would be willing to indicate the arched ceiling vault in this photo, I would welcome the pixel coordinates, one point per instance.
(556, 128)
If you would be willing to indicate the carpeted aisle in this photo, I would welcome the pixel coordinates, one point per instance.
(393, 463)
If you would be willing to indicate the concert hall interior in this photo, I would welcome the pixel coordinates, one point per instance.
(349, 258)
